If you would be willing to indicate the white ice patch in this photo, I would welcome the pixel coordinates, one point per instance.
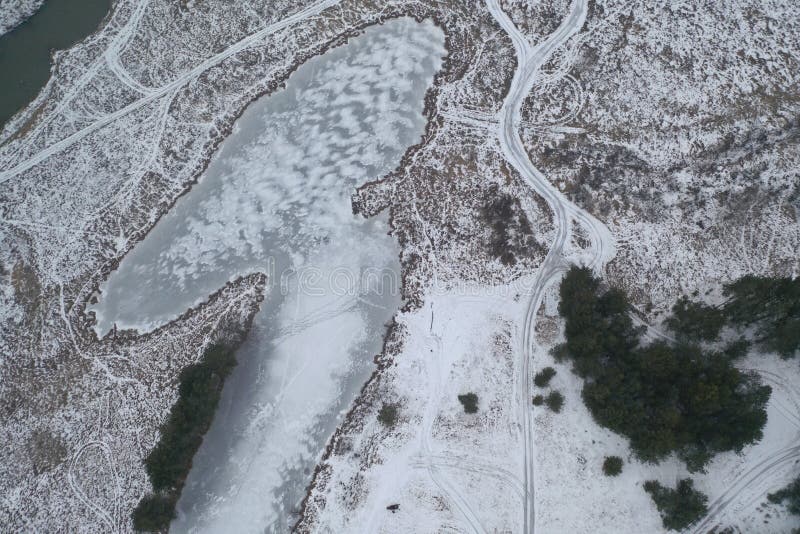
(276, 198)
(281, 183)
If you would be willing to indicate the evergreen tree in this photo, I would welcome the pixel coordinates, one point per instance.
(612, 466)
(154, 513)
(544, 376)
(789, 495)
(694, 321)
(469, 401)
(664, 397)
(678, 507)
(772, 305)
(554, 401)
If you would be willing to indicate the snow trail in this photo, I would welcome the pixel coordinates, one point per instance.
(529, 62)
(119, 44)
(765, 468)
(156, 93)
(438, 477)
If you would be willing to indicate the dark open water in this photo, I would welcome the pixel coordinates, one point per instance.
(25, 51)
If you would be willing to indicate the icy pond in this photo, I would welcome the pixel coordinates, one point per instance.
(276, 198)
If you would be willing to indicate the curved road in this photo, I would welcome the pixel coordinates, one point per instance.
(529, 62)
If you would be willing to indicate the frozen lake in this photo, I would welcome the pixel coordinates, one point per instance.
(276, 199)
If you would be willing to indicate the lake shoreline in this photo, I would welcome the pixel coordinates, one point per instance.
(29, 51)
(361, 138)
(84, 297)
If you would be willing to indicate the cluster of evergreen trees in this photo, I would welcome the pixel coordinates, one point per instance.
(771, 306)
(768, 306)
(169, 462)
(680, 396)
(679, 507)
(694, 321)
(666, 397)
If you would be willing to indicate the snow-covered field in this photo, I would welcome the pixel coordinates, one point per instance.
(657, 143)
(450, 471)
(562, 454)
(684, 128)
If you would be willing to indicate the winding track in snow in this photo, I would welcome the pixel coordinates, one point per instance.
(437, 476)
(117, 46)
(765, 468)
(529, 62)
(165, 89)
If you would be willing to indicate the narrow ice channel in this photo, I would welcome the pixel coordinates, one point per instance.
(276, 198)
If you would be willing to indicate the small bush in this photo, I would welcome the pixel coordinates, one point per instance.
(790, 495)
(678, 507)
(538, 400)
(544, 376)
(154, 513)
(388, 414)
(612, 466)
(555, 400)
(469, 401)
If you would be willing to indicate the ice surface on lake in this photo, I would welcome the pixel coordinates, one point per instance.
(281, 183)
(276, 198)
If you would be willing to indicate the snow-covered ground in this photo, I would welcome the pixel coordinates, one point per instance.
(448, 470)
(676, 124)
(597, 164)
(562, 454)
(451, 471)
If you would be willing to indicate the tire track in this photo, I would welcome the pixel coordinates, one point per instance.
(464, 463)
(118, 45)
(438, 477)
(529, 62)
(104, 515)
(156, 93)
(758, 472)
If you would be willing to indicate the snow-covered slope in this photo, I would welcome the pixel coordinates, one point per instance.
(15, 12)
